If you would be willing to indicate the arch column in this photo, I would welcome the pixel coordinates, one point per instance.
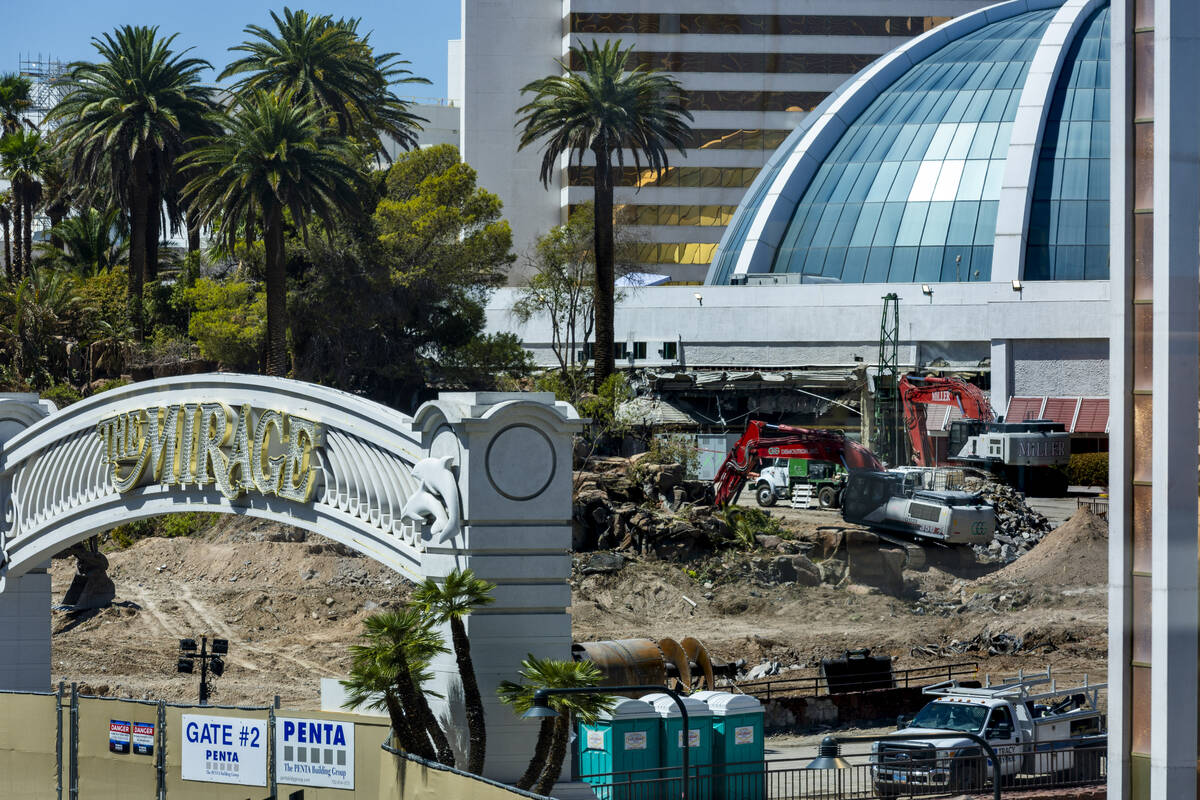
(514, 453)
(25, 603)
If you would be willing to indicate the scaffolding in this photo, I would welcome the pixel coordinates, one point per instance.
(888, 443)
(46, 76)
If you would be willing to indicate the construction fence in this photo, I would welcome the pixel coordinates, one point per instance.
(64, 746)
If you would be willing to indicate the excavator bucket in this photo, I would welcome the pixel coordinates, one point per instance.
(91, 587)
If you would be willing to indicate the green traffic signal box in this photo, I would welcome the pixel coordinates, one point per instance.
(738, 747)
(699, 750)
(625, 739)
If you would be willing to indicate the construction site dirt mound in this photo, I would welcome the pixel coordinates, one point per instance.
(1073, 554)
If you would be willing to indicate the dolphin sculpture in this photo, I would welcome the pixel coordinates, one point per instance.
(436, 499)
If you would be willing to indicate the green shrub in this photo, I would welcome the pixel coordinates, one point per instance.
(746, 523)
(229, 322)
(1088, 469)
(168, 526)
(675, 449)
(62, 395)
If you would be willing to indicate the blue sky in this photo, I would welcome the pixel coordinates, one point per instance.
(63, 30)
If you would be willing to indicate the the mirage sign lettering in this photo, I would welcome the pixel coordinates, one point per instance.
(269, 452)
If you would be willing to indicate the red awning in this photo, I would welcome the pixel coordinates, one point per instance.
(1076, 414)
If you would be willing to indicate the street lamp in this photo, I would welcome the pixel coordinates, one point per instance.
(829, 756)
(209, 661)
(541, 709)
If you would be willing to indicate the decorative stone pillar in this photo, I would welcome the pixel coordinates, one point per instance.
(513, 457)
(25, 602)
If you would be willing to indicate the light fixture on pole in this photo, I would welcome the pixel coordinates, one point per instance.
(829, 757)
(699, 298)
(1017, 285)
(927, 290)
(541, 709)
(210, 661)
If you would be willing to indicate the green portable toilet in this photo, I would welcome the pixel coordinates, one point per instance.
(623, 740)
(738, 746)
(699, 751)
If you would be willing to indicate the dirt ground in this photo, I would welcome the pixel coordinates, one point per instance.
(291, 604)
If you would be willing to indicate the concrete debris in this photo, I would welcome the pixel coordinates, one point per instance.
(995, 644)
(1018, 527)
(602, 564)
(639, 506)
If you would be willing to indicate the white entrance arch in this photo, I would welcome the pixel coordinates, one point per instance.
(479, 480)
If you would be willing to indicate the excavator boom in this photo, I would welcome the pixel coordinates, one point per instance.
(917, 392)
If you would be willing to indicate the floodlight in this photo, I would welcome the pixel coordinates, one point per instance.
(187, 644)
(217, 666)
(185, 665)
(926, 288)
(220, 646)
(1016, 284)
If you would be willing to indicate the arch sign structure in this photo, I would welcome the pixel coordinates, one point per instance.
(479, 480)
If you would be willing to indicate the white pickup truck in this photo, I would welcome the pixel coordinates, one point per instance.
(1035, 728)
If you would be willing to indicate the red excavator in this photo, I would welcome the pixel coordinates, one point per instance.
(763, 440)
(1025, 453)
(873, 497)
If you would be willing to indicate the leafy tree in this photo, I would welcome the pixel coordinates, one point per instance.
(393, 303)
(32, 315)
(23, 157)
(387, 672)
(551, 746)
(14, 101)
(88, 243)
(122, 124)
(229, 322)
(275, 161)
(327, 63)
(450, 602)
(604, 110)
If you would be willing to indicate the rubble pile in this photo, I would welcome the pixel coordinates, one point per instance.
(1018, 527)
(652, 509)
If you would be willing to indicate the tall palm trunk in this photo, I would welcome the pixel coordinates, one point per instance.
(541, 749)
(153, 231)
(28, 237)
(472, 700)
(8, 262)
(409, 697)
(19, 251)
(603, 298)
(193, 231)
(138, 221)
(401, 729)
(554, 759)
(276, 294)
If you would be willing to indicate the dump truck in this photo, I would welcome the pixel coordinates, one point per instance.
(777, 477)
(1035, 728)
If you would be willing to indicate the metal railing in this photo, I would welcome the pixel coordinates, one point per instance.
(1096, 505)
(815, 685)
(866, 776)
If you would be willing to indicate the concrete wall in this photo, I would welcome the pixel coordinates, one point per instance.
(1070, 367)
(788, 326)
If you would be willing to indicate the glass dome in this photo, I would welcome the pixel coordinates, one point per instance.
(910, 190)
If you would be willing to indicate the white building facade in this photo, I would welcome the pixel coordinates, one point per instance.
(752, 76)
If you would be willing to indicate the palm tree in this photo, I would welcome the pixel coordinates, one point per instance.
(387, 672)
(88, 243)
(14, 100)
(554, 733)
(123, 122)
(24, 155)
(451, 601)
(604, 110)
(327, 63)
(275, 161)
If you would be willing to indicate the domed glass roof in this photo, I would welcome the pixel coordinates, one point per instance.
(910, 190)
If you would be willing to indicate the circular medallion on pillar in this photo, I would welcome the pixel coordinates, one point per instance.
(520, 462)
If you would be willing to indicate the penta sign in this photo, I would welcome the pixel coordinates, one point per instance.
(269, 452)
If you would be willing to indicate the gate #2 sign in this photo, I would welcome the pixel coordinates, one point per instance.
(224, 750)
(314, 752)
